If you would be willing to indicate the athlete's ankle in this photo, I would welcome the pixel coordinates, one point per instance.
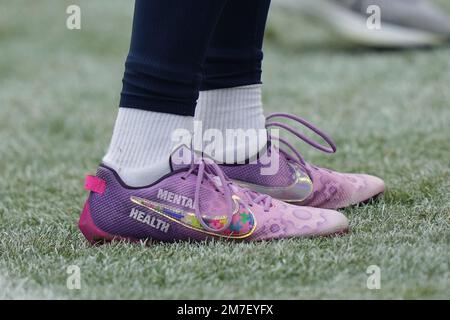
(141, 144)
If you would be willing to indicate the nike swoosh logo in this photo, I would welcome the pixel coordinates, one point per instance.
(299, 190)
(243, 223)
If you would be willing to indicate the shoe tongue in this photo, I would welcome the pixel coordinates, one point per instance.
(181, 158)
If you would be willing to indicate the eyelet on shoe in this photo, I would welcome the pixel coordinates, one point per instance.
(183, 178)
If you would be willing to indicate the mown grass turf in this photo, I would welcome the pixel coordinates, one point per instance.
(389, 112)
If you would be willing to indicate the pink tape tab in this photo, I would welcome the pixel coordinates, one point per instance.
(95, 184)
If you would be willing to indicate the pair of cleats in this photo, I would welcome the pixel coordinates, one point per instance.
(203, 200)
(401, 23)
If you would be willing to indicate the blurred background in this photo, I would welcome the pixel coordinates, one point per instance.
(388, 110)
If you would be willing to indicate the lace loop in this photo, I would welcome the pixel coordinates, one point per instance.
(331, 148)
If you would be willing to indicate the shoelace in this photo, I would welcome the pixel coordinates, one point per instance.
(207, 170)
(330, 148)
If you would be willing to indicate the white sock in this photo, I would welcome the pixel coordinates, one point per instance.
(233, 108)
(141, 144)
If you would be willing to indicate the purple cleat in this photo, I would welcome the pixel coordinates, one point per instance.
(299, 182)
(195, 202)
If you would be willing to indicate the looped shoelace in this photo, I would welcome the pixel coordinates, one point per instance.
(207, 170)
(331, 148)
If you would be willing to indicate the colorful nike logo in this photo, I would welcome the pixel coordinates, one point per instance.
(299, 190)
(243, 223)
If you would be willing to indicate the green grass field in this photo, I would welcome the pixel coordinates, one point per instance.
(388, 111)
